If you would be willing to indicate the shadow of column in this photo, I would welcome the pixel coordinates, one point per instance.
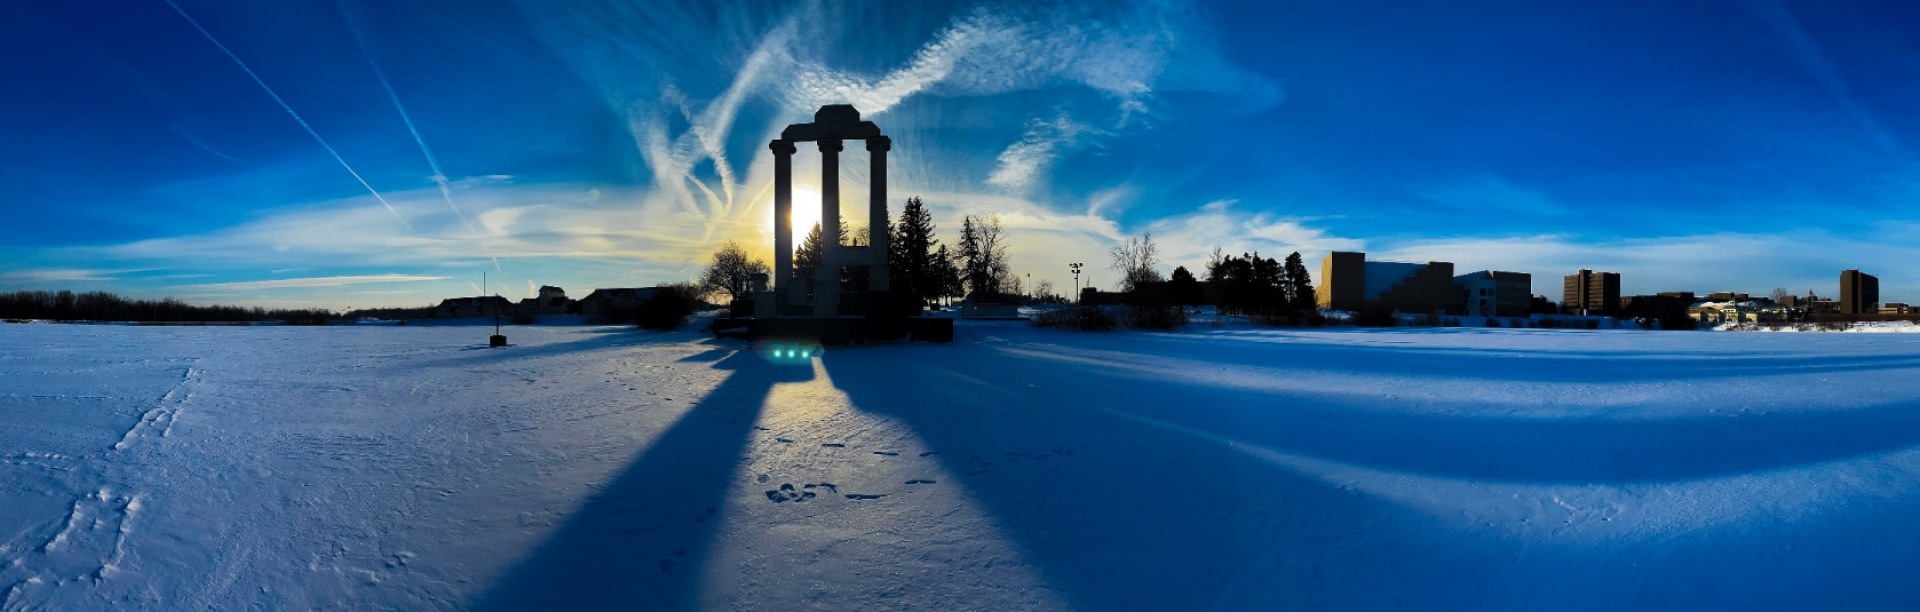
(1115, 513)
(642, 541)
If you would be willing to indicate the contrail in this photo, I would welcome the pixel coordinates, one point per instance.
(289, 109)
(439, 178)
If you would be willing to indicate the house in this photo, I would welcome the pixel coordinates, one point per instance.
(1715, 313)
(482, 306)
(1490, 293)
(552, 300)
(603, 301)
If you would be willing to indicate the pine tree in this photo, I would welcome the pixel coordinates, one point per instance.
(1300, 285)
(806, 259)
(1183, 288)
(947, 270)
(911, 262)
(969, 256)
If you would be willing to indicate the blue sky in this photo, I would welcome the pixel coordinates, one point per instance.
(390, 153)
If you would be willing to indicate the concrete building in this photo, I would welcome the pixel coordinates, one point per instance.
(1895, 308)
(1490, 293)
(1859, 292)
(1589, 292)
(1349, 282)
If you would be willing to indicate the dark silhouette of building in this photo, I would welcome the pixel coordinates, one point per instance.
(1589, 292)
(552, 300)
(482, 306)
(1859, 293)
(604, 301)
(1349, 282)
(1491, 293)
(1665, 306)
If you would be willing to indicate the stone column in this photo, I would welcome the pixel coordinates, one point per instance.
(826, 278)
(783, 223)
(877, 148)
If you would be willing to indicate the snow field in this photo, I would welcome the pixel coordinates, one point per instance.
(1236, 468)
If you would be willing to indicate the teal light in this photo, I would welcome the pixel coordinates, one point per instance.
(804, 354)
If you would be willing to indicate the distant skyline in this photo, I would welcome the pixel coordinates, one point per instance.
(347, 153)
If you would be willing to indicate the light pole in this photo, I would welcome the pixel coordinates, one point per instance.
(1076, 281)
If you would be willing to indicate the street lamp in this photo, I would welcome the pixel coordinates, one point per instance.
(1076, 281)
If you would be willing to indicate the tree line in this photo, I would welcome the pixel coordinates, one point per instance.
(104, 306)
(918, 264)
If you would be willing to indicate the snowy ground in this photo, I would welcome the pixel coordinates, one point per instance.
(1231, 469)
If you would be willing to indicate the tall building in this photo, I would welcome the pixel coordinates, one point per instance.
(1589, 292)
(1859, 292)
(1349, 282)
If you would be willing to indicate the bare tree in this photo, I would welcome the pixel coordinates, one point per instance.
(983, 254)
(732, 271)
(1781, 295)
(1135, 259)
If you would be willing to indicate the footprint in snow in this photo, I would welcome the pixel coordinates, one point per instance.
(858, 496)
(886, 453)
(787, 493)
(834, 445)
(922, 481)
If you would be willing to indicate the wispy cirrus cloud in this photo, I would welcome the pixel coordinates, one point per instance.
(1128, 56)
(56, 275)
(1024, 164)
(317, 281)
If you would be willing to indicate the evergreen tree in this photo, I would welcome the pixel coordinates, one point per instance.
(806, 259)
(1183, 288)
(1299, 285)
(969, 257)
(912, 261)
(948, 272)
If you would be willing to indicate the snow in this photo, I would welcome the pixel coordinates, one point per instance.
(1854, 327)
(1225, 468)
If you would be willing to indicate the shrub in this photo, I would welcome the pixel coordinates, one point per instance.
(1546, 323)
(1450, 322)
(1083, 317)
(1294, 318)
(667, 310)
(1156, 317)
(1591, 324)
(1492, 322)
(523, 318)
(1375, 318)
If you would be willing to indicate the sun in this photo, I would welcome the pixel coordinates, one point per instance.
(806, 212)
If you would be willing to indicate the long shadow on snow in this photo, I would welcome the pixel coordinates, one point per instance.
(641, 541)
(1528, 365)
(1141, 517)
(1117, 514)
(1514, 449)
(581, 341)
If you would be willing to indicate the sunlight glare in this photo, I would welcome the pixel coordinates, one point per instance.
(806, 212)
